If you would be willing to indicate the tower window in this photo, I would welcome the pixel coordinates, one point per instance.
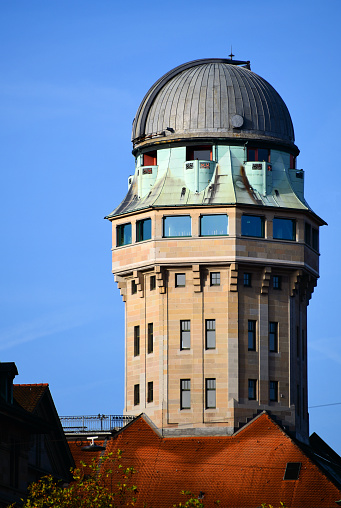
(252, 225)
(210, 393)
(273, 391)
(185, 394)
(252, 389)
(273, 337)
(307, 233)
(133, 287)
(185, 334)
(210, 333)
(136, 340)
(298, 400)
(123, 234)
(251, 335)
(284, 229)
(247, 279)
(150, 392)
(315, 239)
(152, 282)
(136, 395)
(150, 338)
(292, 162)
(215, 278)
(176, 225)
(150, 158)
(203, 153)
(292, 471)
(143, 230)
(277, 282)
(258, 154)
(214, 225)
(298, 341)
(180, 280)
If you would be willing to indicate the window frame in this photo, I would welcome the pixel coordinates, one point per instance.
(190, 152)
(252, 335)
(184, 338)
(150, 392)
(262, 226)
(210, 336)
(136, 341)
(211, 216)
(214, 275)
(136, 395)
(185, 388)
(277, 282)
(175, 217)
(152, 282)
(120, 236)
(252, 385)
(247, 279)
(294, 229)
(140, 235)
(256, 149)
(177, 277)
(133, 287)
(273, 337)
(209, 392)
(273, 391)
(150, 338)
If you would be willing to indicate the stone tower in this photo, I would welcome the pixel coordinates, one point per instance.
(216, 254)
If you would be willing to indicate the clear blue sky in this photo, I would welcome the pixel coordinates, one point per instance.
(72, 76)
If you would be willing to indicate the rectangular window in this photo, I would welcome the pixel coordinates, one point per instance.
(210, 393)
(133, 287)
(143, 230)
(273, 337)
(150, 158)
(258, 154)
(177, 225)
(251, 335)
(252, 389)
(210, 333)
(136, 340)
(215, 278)
(203, 153)
(247, 280)
(277, 282)
(123, 234)
(315, 239)
(185, 394)
(284, 229)
(150, 393)
(180, 280)
(307, 233)
(152, 282)
(292, 162)
(185, 334)
(273, 391)
(214, 225)
(136, 395)
(150, 338)
(252, 225)
(292, 471)
(298, 400)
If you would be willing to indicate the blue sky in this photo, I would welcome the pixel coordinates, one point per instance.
(72, 76)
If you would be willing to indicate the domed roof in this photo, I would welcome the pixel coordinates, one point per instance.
(216, 98)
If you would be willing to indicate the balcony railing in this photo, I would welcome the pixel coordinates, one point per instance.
(94, 423)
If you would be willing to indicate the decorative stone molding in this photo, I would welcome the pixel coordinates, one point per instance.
(196, 278)
(138, 278)
(122, 286)
(233, 277)
(160, 279)
(266, 280)
(295, 282)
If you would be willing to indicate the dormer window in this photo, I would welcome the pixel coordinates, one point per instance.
(258, 154)
(201, 152)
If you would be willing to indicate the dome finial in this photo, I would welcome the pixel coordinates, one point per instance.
(231, 54)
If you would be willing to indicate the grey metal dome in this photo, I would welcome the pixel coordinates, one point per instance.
(213, 98)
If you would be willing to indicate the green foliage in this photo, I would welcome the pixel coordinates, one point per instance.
(91, 486)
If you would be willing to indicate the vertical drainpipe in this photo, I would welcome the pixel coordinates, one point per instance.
(196, 176)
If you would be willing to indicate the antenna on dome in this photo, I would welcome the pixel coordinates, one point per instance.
(231, 55)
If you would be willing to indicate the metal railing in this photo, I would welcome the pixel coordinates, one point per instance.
(94, 423)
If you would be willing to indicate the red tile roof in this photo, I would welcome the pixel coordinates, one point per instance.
(243, 470)
(28, 396)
